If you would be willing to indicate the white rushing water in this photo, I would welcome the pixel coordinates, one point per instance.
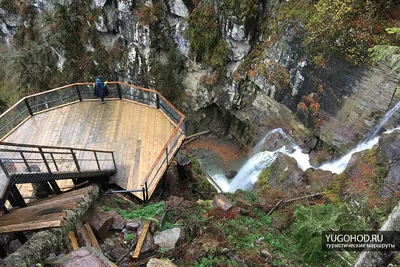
(259, 160)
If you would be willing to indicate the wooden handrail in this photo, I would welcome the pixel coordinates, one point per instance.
(169, 104)
(49, 91)
(160, 156)
(130, 85)
(13, 106)
(54, 147)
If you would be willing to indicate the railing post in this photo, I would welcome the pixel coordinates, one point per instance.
(55, 187)
(75, 160)
(115, 165)
(147, 192)
(119, 91)
(54, 161)
(144, 195)
(166, 152)
(78, 91)
(28, 106)
(17, 196)
(97, 160)
(26, 162)
(157, 101)
(4, 168)
(45, 160)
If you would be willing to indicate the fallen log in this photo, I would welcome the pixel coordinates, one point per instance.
(198, 134)
(282, 202)
(42, 243)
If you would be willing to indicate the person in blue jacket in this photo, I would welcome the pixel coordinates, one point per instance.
(100, 89)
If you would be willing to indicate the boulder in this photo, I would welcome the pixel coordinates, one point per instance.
(221, 201)
(160, 263)
(317, 179)
(83, 257)
(119, 222)
(230, 174)
(178, 8)
(169, 238)
(275, 141)
(132, 224)
(99, 220)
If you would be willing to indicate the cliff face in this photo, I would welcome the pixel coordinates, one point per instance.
(255, 77)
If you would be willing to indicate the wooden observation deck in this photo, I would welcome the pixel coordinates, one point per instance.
(139, 125)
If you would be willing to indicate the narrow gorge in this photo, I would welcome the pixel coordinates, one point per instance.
(298, 98)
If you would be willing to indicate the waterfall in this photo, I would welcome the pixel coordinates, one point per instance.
(259, 146)
(259, 160)
(250, 171)
(385, 119)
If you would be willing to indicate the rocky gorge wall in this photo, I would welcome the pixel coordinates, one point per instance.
(262, 78)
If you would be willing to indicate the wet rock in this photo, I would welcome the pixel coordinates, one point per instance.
(86, 256)
(231, 174)
(284, 175)
(160, 263)
(221, 201)
(169, 238)
(275, 141)
(321, 156)
(132, 224)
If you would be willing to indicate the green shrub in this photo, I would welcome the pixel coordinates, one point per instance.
(345, 28)
(311, 221)
(204, 35)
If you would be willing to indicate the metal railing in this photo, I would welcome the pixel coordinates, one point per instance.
(44, 101)
(30, 163)
(37, 164)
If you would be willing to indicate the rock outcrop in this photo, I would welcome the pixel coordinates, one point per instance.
(267, 81)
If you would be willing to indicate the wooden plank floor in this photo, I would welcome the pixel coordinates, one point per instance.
(134, 132)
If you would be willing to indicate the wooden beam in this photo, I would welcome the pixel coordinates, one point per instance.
(73, 240)
(17, 220)
(142, 237)
(83, 236)
(35, 225)
(92, 237)
(26, 213)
